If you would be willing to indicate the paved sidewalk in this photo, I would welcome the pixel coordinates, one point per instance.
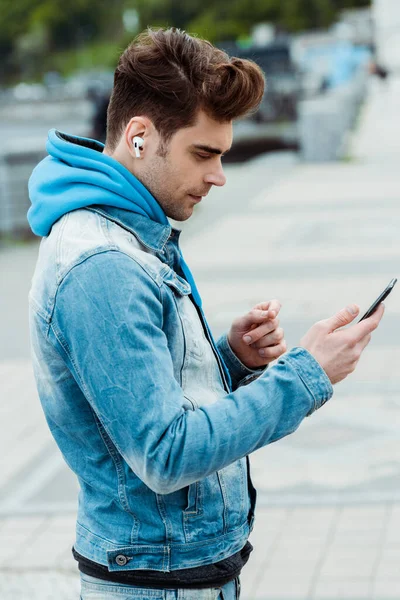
(299, 553)
(328, 519)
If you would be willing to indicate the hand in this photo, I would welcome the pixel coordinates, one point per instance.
(338, 352)
(266, 341)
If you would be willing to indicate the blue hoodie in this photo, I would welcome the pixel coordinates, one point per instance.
(76, 174)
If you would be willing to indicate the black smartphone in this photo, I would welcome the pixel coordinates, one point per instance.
(380, 299)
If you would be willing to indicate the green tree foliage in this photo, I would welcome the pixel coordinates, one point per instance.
(228, 19)
(62, 25)
(14, 22)
(49, 26)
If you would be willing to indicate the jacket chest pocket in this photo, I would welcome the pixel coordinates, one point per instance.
(192, 328)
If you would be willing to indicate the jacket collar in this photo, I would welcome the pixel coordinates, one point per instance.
(151, 234)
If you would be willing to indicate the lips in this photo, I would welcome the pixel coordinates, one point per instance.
(199, 196)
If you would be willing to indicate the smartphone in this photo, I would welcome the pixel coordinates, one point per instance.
(380, 299)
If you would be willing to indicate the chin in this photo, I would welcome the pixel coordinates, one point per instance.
(181, 216)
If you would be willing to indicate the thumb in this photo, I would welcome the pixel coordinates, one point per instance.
(343, 317)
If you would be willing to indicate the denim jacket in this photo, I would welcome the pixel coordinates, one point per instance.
(134, 392)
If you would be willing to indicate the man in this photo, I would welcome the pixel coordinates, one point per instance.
(151, 414)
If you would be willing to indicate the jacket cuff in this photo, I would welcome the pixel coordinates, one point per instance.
(240, 374)
(312, 375)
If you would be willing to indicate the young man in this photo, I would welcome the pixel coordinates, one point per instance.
(151, 414)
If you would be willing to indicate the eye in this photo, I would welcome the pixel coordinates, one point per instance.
(202, 156)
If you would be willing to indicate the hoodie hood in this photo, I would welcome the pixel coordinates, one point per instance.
(77, 174)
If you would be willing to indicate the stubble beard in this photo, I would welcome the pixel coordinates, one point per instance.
(156, 179)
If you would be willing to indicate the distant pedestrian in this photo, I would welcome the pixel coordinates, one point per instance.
(378, 70)
(156, 418)
(99, 121)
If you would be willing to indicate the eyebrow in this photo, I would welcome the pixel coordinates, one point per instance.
(209, 149)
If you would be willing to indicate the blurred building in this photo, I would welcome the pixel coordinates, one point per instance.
(386, 15)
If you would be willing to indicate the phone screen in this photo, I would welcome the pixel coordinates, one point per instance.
(380, 299)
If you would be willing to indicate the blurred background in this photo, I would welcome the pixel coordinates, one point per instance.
(310, 214)
(58, 60)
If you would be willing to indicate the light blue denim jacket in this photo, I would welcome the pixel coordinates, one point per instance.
(135, 396)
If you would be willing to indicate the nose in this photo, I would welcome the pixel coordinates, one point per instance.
(216, 177)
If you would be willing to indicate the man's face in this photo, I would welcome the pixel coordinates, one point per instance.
(190, 165)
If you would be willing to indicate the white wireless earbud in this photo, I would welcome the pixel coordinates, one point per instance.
(137, 144)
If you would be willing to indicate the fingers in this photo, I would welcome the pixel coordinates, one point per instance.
(366, 327)
(253, 336)
(253, 318)
(360, 335)
(273, 352)
(273, 307)
(270, 338)
(261, 313)
(262, 306)
(341, 318)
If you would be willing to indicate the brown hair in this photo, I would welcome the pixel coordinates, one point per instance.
(168, 75)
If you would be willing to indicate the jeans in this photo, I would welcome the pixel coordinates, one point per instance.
(97, 589)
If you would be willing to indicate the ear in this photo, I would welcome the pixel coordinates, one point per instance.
(138, 127)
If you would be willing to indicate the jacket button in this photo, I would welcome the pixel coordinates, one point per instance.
(121, 560)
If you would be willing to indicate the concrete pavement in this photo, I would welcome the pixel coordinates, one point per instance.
(317, 237)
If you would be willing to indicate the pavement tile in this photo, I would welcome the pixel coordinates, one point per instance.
(250, 579)
(374, 526)
(386, 589)
(355, 560)
(47, 541)
(362, 512)
(22, 525)
(394, 519)
(39, 586)
(282, 585)
(300, 558)
(17, 534)
(392, 535)
(391, 552)
(293, 539)
(388, 569)
(264, 537)
(359, 566)
(293, 569)
(66, 561)
(43, 552)
(396, 512)
(365, 521)
(312, 535)
(345, 537)
(334, 589)
(263, 532)
(306, 518)
(62, 523)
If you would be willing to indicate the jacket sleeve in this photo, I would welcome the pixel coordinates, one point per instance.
(108, 317)
(240, 374)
